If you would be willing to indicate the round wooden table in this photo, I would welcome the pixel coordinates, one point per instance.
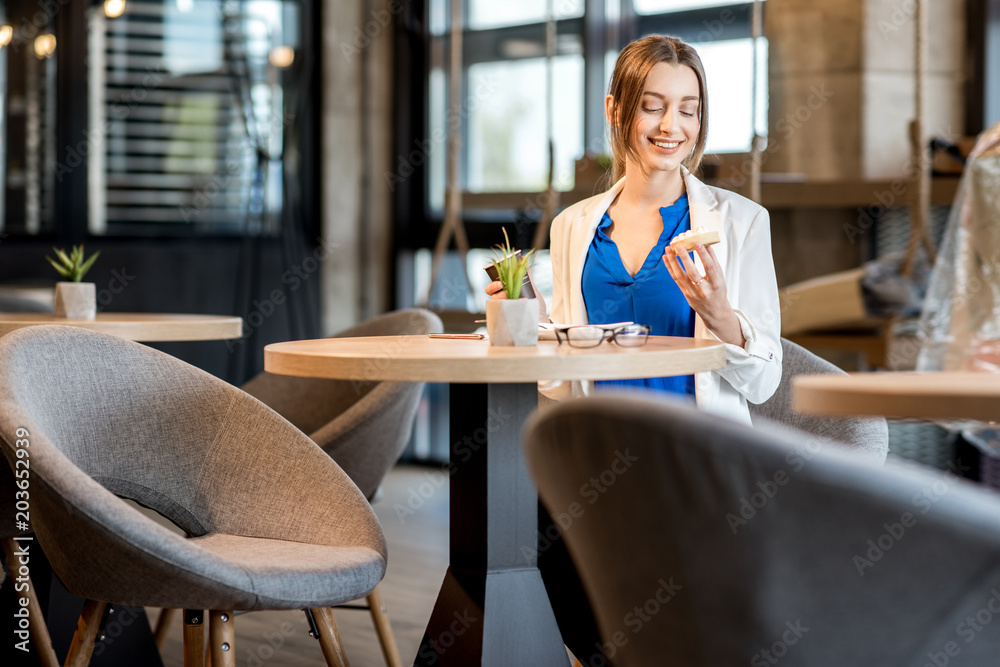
(493, 587)
(930, 395)
(145, 327)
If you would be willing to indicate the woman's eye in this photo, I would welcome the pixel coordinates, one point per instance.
(687, 113)
(652, 110)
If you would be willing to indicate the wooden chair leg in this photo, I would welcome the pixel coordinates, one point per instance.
(194, 638)
(39, 631)
(222, 638)
(329, 638)
(163, 624)
(383, 629)
(82, 646)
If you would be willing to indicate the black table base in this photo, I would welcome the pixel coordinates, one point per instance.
(492, 609)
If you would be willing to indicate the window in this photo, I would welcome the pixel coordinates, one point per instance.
(187, 115)
(503, 124)
(27, 120)
(503, 117)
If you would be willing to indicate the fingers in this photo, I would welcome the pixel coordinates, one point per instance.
(677, 271)
(712, 269)
(682, 270)
(495, 290)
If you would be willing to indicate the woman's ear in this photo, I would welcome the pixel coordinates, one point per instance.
(610, 112)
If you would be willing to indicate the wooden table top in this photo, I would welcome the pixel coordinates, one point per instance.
(930, 395)
(146, 327)
(423, 359)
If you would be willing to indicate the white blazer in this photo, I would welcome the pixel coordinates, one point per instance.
(752, 372)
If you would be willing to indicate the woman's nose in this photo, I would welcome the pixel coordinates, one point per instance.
(667, 121)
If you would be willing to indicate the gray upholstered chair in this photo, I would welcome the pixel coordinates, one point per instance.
(364, 426)
(701, 541)
(273, 522)
(868, 436)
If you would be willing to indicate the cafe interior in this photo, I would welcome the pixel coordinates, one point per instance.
(259, 407)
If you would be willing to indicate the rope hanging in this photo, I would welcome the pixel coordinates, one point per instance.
(453, 193)
(551, 202)
(756, 145)
(920, 202)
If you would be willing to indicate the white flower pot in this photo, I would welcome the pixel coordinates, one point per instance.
(76, 301)
(512, 321)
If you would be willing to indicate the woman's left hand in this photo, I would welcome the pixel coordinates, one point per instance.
(706, 294)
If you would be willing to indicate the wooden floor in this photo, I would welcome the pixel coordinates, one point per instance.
(414, 514)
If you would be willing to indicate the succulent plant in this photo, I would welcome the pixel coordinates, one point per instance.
(72, 267)
(511, 267)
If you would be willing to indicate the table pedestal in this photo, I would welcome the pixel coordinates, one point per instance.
(492, 609)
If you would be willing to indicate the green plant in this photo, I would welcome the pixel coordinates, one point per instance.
(72, 267)
(511, 267)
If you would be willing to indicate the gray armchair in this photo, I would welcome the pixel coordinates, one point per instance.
(273, 523)
(867, 436)
(701, 541)
(363, 425)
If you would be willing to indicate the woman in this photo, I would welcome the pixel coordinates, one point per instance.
(611, 262)
(611, 258)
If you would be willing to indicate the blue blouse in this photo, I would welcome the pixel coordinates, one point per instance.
(649, 297)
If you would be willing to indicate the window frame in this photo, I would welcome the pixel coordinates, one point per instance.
(416, 224)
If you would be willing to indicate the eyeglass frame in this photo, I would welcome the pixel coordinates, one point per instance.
(608, 334)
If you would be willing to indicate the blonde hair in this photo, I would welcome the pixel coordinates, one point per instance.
(628, 82)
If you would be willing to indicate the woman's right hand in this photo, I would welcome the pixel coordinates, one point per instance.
(495, 290)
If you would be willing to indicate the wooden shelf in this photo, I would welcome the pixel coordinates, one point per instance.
(804, 194)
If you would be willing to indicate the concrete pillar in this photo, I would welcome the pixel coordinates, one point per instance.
(841, 84)
(357, 131)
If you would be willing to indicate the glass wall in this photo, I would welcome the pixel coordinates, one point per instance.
(515, 99)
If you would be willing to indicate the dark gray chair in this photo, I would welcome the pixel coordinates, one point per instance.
(868, 436)
(363, 425)
(273, 522)
(701, 541)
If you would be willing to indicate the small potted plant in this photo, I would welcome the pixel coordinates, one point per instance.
(74, 299)
(514, 320)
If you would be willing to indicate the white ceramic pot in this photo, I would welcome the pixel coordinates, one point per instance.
(512, 321)
(76, 301)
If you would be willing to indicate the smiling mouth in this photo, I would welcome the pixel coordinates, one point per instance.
(667, 144)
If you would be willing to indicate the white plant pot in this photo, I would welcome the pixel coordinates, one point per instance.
(512, 321)
(76, 301)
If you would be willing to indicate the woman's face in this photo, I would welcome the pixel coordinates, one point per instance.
(666, 123)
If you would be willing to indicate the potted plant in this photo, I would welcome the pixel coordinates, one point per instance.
(74, 299)
(514, 320)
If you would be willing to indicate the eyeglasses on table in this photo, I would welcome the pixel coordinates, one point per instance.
(591, 335)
